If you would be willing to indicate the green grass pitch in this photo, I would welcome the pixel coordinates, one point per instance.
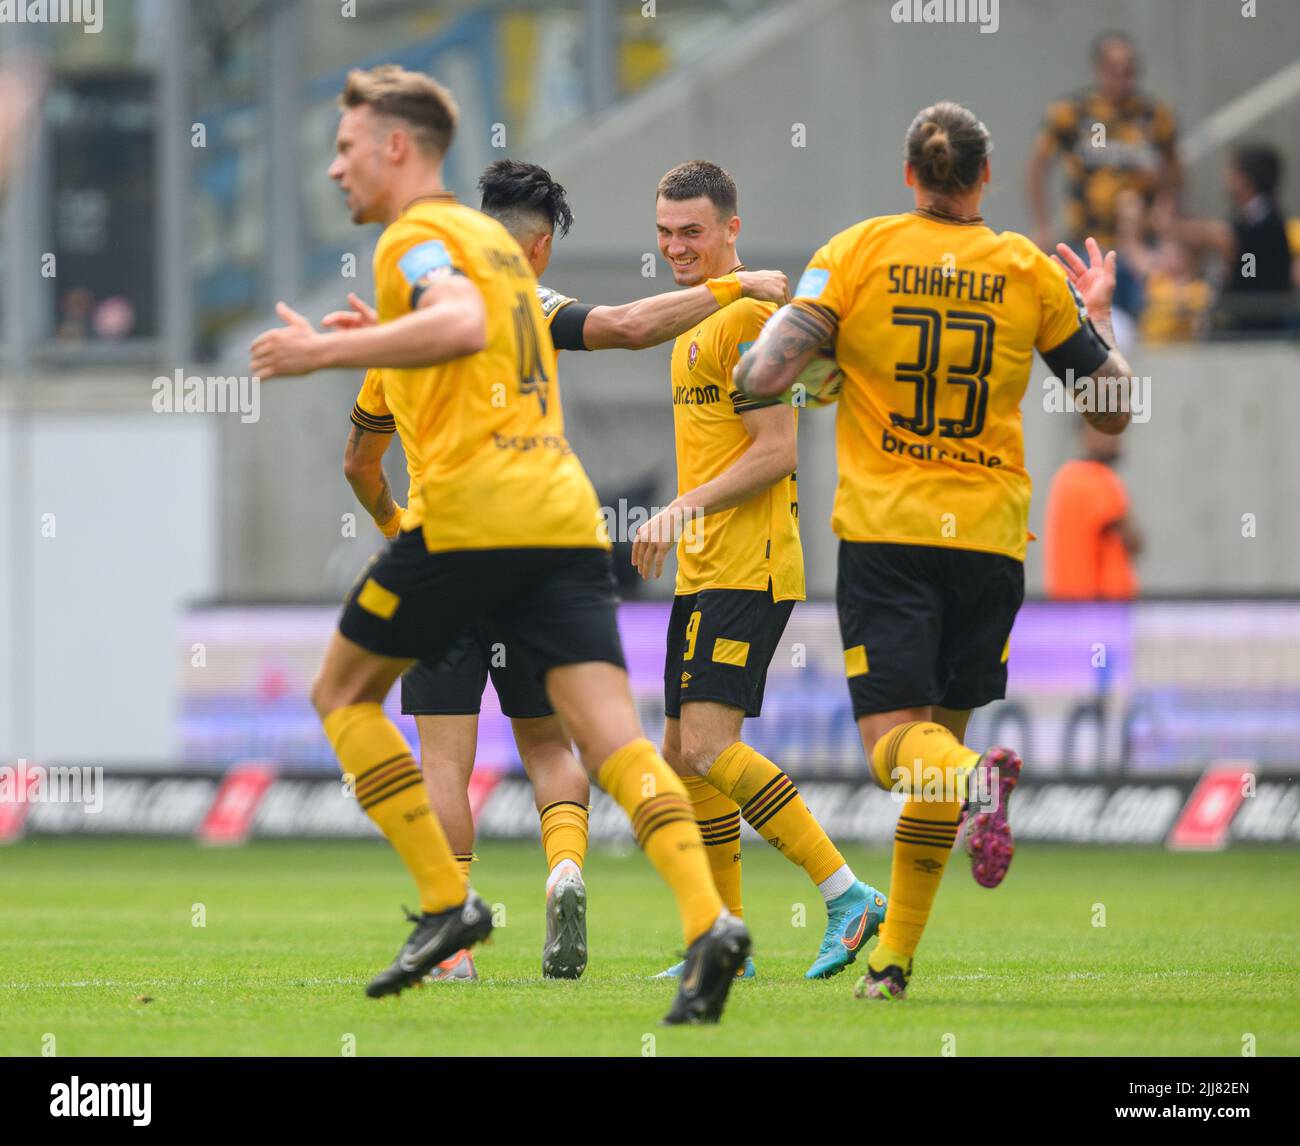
(98, 949)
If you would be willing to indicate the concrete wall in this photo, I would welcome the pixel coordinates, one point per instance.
(107, 529)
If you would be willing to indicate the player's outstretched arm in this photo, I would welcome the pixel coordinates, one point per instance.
(789, 340)
(363, 466)
(650, 321)
(450, 321)
(773, 454)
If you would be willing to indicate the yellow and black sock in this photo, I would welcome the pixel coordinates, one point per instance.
(719, 820)
(463, 860)
(564, 833)
(772, 806)
(665, 829)
(921, 757)
(922, 844)
(391, 792)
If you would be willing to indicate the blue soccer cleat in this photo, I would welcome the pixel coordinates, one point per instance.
(675, 971)
(854, 917)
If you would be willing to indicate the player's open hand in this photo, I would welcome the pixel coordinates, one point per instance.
(361, 314)
(766, 286)
(287, 350)
(1094, 280)
(655, 540)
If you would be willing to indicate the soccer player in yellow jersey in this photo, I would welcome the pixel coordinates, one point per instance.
(445, 697)
(935, 319)
(506, 526)
(739, 572)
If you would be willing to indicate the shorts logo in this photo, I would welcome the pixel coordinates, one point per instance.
(728, 652)
(855, 661)
(692, 355)
(374, 598)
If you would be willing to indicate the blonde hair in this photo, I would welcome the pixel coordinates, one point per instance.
(413, 97)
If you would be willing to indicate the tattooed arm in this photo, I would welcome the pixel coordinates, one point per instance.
(789, 340)
(363, 466)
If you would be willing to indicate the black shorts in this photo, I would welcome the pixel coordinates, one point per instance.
(924, 625)
(453, 685)
(557, 605)
(720, 643)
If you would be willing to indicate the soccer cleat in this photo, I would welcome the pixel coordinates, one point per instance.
(988, 835)
(746, 971)
(458, 969)
(565, 954)
(436, 937)
(852, 918)
(711, 965)
(889, 984)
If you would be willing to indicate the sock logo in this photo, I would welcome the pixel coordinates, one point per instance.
(927, 865)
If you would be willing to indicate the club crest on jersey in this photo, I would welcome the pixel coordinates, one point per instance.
(692, 355)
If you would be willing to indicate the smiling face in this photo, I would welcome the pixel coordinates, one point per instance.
(697, 241)
(361, 166)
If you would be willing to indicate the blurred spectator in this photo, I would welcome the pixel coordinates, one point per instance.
(1112, 137)
(1090, 539)
(1177, 298)
(1257, 294)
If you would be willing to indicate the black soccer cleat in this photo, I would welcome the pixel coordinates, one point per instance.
(436, 937)
(710, 968)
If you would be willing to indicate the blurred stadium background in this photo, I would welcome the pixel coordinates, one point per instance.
(168, 581)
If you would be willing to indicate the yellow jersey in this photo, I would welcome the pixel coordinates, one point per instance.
(370, 411)
(754, 544)
(484, 434)
(938, 321)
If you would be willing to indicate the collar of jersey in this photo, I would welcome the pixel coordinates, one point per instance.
(434, 196)
(936, 216)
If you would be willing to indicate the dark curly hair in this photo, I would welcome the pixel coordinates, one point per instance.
(511, 189)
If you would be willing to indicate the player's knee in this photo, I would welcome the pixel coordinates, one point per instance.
(324, 696)
(697, 756)
(330, 693)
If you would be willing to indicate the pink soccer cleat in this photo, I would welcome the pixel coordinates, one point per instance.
(988, 835)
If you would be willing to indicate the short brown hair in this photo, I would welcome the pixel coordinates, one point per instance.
(418, 99)
(699, 177)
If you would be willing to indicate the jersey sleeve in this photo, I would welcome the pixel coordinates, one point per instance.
(1066, 338)
(413, 261)
(737, 331)
(824, 284)
(370, 411)
(565, 318)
